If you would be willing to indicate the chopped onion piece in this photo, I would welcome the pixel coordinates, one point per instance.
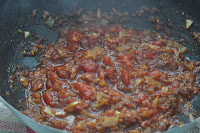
(60, 113)
(148, 80)
(81, 125)
(100, 103)
(29, 99)
(183, 50)
(197, 36)
(69, 107)
(100, 96)
(155, 102)
(162, 100)
(99, 13)
(188, 22)
(110, 121)
(148, 130)
(173, 43)
(20, 31)
(191, 117)
(138, 81)
(26, 34)
(104, 21)
(165, 90)
(103, 83)
(172, 98)
(70, 119)
(45, 14)
(154, 47)
(122, 48)
(73, 73)
(117, 113)
(48, 110)
(50, 22)
(35, 49)
(120, 34)
(22, 78)
(34, 13)
(190, 66)
(146, 114)
(74, 103)
(23, 81)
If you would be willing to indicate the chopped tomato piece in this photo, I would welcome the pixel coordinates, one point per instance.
(72, 46)
(89, 66)
(56, 86)
(155, 74)
(110, 72)
(125, 57)
(74, 36)
(147, 103)
(101, 73)
(38, 85)
(48, 98)
(54, 77)
(141, 73)
(149, 54)
(116, 40)
(172, 65)
(50, 68)
(85, 90)
(116, 28)
(125, 77)
(88, 76)
(110, 112)
(146, 114)
(61, 72)
(105, 90)
(176, 84)
(82, 105)
(107, 60)
(164, 79)
(142, 96)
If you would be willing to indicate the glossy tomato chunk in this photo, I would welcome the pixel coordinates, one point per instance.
(48, 98)
(155, 74)
(85, 90)
(125, 77)
(89, 66)
(107, 60)
(74, 36)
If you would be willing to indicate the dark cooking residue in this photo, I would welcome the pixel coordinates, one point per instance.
(99, 77)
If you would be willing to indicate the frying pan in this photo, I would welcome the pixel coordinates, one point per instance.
(16, 14)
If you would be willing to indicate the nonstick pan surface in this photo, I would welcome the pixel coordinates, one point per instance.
(15, 15)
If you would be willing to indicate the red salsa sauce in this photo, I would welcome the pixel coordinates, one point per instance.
(110, 78)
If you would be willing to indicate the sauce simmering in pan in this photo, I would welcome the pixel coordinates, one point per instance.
(111, 78)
